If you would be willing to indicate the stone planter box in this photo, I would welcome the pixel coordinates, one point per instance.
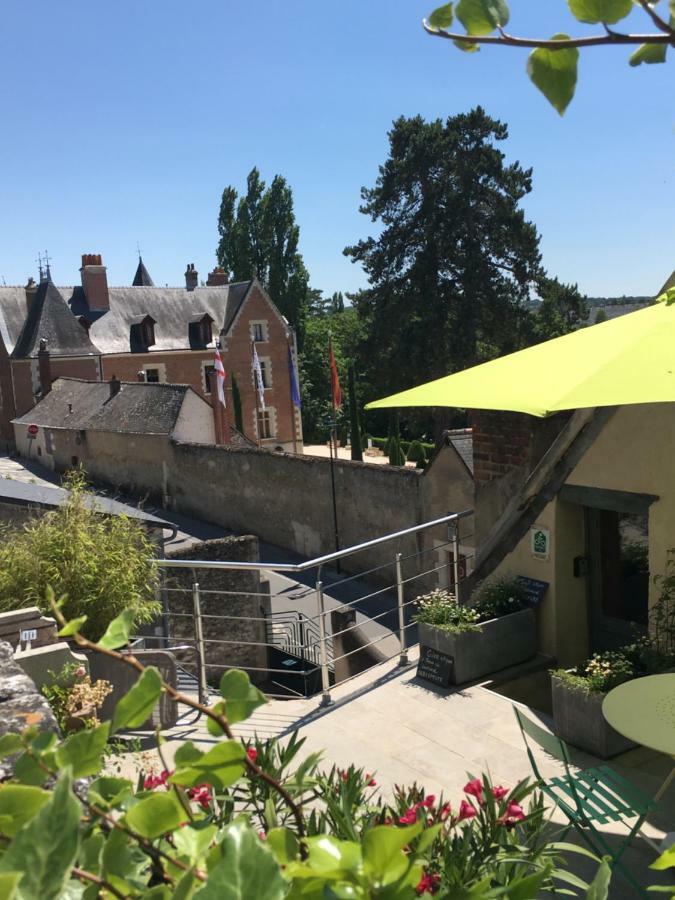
(578, 720)
(500, 643)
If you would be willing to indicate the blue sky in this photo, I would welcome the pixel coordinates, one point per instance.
(124, 121)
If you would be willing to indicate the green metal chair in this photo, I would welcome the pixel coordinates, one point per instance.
(590, 797)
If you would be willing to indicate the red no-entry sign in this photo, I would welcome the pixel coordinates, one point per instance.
(32, 430)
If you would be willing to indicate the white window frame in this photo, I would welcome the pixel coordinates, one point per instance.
(271, 414)
(161, 371)
(266, 369)
(206, 385)
(264, 328)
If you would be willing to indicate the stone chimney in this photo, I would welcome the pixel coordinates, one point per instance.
(191, 277)
(44, 368)
(115, 386)
(31, 291)
(218, 277)
(95, 282)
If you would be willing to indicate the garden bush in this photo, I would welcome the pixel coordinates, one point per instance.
(494, 598)
(253, 820)
(103, 564)
(417, 454)
(499, 596)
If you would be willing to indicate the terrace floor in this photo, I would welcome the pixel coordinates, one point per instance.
(392, 724)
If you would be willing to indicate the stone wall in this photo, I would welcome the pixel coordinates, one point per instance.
(20, 704)
(233, 603)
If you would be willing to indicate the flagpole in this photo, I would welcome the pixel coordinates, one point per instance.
(290, 394)
(255, 391)
(333, 448)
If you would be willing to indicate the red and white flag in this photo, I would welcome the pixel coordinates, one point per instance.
(258, 376)
(220, 377)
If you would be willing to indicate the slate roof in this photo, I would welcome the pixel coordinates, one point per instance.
(142, 277)
(51, 319)
(462, 440)
(171, 308)
(138, 408)
(21, 493)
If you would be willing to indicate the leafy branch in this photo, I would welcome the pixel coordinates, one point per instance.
(553, 64)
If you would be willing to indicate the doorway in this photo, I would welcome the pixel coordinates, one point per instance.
(618, 576)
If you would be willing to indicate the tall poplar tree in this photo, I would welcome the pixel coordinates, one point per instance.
(259, 236)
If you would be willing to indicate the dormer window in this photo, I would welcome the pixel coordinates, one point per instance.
(142, 333)
(200, 331)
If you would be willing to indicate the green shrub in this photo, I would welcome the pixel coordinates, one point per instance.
(604, 671)
(103, 564)
(498, 597)
(441, 609)
(417, 454)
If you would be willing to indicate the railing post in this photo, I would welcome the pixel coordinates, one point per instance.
(325, 679)
(199, 640)
(453, 535)
(403, 658)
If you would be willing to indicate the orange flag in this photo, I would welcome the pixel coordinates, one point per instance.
(336, 390)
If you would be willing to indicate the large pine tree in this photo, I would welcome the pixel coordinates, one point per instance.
(454, 259)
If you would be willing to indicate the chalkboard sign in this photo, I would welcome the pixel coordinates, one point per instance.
(435, 667)
(534, 589)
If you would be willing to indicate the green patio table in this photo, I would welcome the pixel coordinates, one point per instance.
(643, 710)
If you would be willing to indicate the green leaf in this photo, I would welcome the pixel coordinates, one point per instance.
(649, 54)
(9, 882)
(284, 845)
(607, 11)
(155, 815)
(482, 16)
(185, 887)
(599, 888)
(220, 767)
(442, 17)
(18, 804)
(9, 744)
(212, 727)
(72, 627)
(247, 869)
(383, 855)
(528, 887)
(193, 841)
(109, 790)
(84, 750)
(186, 754)
(117, 633)
(241, 697)
(46, 848)
(554, 72)
(466, 47)
(137, 704)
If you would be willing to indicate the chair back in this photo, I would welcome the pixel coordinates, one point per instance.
(532, 732)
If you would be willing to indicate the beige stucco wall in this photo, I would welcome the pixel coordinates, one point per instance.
(195, 421)
(634, 453)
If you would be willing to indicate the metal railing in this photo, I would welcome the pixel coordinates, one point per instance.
(330, 626)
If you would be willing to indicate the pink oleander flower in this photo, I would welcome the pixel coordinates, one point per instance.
(475, 789)
(252, 754)
(201, 794)
(344, 776)
(514, 812)
(499, 792)
(409, 817)
(262, 835)
(428, 802)
(429, 884)
(445, 812)
(150, 782)
(466, 811)
(370, 780)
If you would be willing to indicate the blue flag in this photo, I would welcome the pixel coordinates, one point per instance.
(295, 392)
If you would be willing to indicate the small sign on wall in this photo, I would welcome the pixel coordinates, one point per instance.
(540, 542)
(28, 634)
(435, 667)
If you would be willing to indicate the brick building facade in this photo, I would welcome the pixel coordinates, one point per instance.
(149, 333)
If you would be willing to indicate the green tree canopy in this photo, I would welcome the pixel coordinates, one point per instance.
(553, 63)
(562, 309)
(259, 236)
(454, 260)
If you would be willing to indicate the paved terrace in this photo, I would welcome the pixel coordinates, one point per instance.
(390, 723)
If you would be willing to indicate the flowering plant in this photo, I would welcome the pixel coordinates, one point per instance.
(442, 610)
(498, 597)
(604, 671)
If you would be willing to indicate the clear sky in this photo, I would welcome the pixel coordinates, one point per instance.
(122, 122)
